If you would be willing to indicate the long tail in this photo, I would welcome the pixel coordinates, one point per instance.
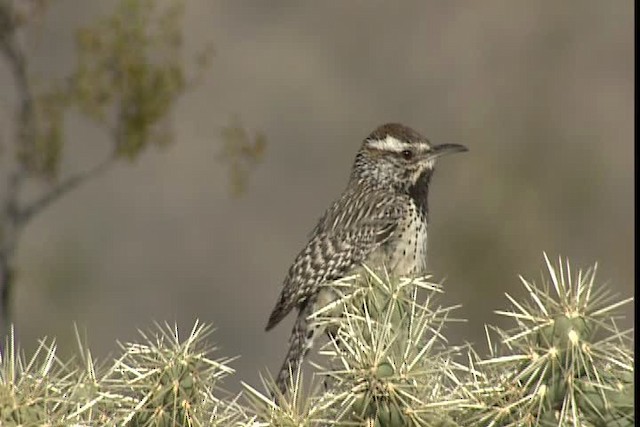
(304, 332)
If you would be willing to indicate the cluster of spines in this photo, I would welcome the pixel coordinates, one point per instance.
(163, 381)
(388, 363)
(565, 362)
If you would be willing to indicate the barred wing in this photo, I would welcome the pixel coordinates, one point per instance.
(327, 257)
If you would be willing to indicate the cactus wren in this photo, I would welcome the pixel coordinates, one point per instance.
(381, 217)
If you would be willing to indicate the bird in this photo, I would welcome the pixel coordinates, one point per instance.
(379, 219)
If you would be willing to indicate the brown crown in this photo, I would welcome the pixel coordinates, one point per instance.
(398, 131)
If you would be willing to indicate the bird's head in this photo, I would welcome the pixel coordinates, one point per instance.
(396, 156)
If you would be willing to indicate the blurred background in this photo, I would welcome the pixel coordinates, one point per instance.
(541, 93)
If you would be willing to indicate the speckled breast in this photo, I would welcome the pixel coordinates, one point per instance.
(405, 253)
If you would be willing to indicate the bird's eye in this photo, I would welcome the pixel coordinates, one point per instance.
(407, 154)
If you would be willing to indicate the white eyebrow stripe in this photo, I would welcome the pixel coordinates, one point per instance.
(389, 144)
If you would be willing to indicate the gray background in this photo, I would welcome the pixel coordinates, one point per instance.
(540, 91)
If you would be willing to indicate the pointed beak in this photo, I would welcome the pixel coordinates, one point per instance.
(442, 149)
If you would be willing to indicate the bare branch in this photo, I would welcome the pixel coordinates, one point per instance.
(17, 63)
(25, 131)
(61, 189)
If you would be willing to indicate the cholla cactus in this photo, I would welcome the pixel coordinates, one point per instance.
(166, 382)
(564, 363)
(43, 390)
(389, 360)
(300, 407)
(387, 364)
(31, 390)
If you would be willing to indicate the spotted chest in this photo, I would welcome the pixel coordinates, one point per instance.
(405, 253)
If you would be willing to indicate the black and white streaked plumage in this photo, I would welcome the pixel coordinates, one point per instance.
(380, 218)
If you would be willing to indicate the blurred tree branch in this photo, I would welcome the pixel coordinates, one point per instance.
(241, 153)
(128, 77)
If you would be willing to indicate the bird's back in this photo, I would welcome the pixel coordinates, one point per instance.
(353, 228)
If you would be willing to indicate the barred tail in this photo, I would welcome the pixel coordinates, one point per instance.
(302, 337)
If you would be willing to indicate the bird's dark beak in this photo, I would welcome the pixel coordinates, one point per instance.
(442, 149)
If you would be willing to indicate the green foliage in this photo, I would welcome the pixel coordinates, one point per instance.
(129, 72)
(241, 153)
(128, 76)
(42, 153)
(564, 363)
